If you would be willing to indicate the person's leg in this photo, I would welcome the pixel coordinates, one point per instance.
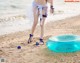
(42, 28)
(41, 34)
(35, 10)
(44, 14)
(42, 24)
(34, 23)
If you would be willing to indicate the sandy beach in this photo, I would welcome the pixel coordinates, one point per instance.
(32, 54)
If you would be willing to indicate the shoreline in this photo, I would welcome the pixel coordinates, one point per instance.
(63, 22)
(13, 26)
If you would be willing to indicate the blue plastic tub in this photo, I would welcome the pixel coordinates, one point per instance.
(64, 43)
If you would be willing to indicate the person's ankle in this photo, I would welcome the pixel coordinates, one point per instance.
(31, 35)
(41, 40)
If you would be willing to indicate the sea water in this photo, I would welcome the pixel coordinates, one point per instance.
(16, 15)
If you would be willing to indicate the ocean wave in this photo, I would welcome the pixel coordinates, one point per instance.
(12, 18)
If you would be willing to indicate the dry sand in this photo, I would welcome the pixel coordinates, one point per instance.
(31, 54)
